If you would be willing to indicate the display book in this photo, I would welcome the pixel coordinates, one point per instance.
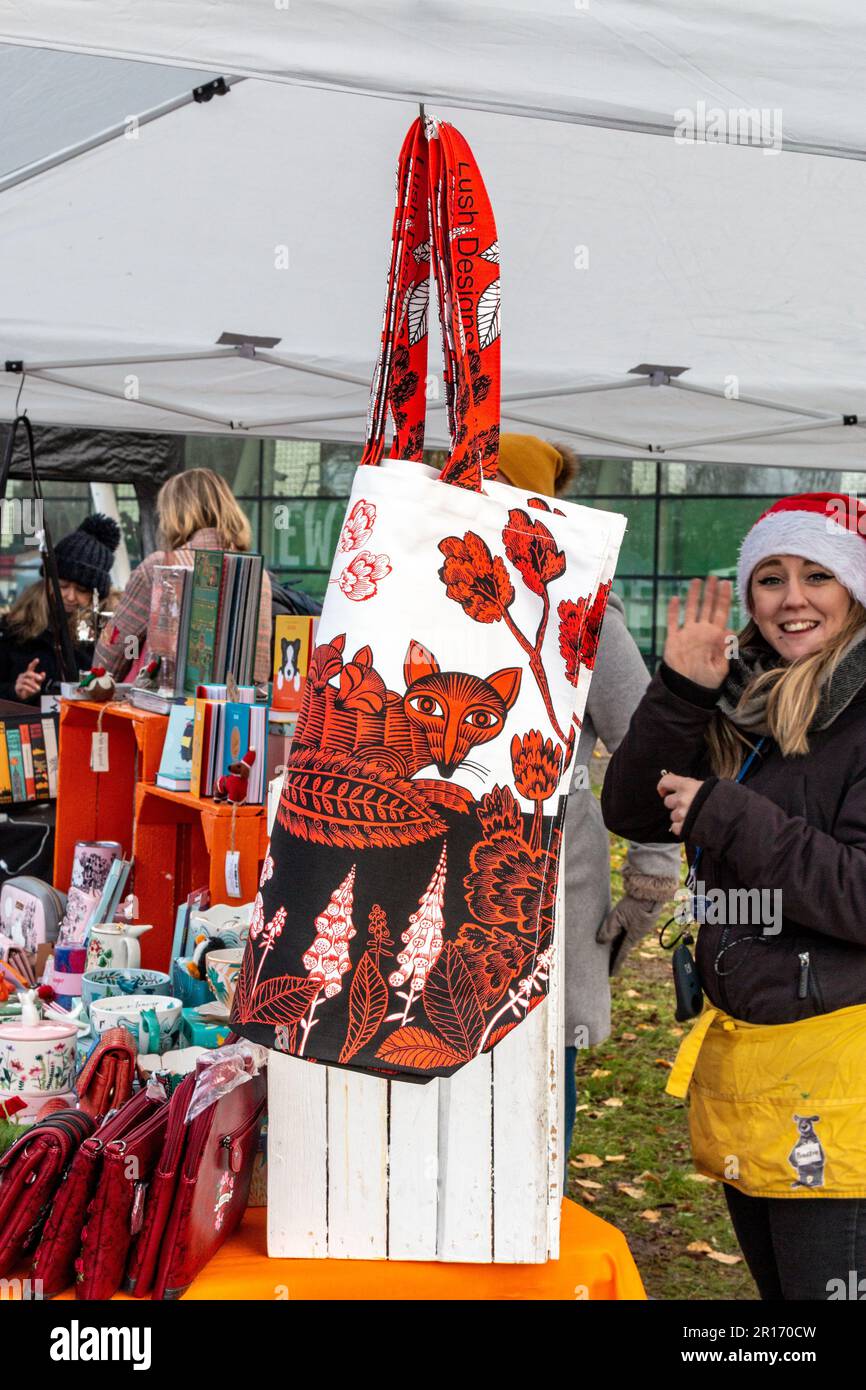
(203, 624)
(28, 757)
(224, 731)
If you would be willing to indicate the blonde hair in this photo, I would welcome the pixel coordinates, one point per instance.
(200, 499)
(28, 616)
(792, 694)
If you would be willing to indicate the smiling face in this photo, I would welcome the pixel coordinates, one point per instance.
(798, 605)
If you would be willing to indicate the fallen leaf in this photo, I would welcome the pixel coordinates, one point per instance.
(644, 955)
(599, 1071)
(647, 1176)
(650, 1215)
(630, 1191)
(587, 1182)
(699, 1247)
(644, 1008)
(663, 1062)
(586, 1161)
(629, 1037)
(644, 1027)
(632, 994)
(578, 1108)
(676, 1032)
(697, 1177)
(614, 1158)
(614, 1102)
(723, 1259)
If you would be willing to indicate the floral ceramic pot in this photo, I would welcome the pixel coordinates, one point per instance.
(223, 968)
(107, 983)
(37, 1060)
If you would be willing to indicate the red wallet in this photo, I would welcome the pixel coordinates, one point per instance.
(116, 1208)
(105, 1081)
(144, 1254)
(59, 1244)
(30, 1172)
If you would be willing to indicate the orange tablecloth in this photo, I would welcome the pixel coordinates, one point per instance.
(595, 1263)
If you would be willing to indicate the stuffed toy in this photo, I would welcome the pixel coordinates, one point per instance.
(233, 786)
(204, 944)
(97, 684)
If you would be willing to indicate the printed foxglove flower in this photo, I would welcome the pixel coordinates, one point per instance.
(327, 959)
(267, 870)
(423, 936)
(360, 578)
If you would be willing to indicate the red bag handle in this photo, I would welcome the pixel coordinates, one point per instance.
(456, 232)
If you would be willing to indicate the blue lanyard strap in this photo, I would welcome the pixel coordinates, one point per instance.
(693, 871)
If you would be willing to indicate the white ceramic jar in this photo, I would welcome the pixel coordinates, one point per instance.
(37, 1060)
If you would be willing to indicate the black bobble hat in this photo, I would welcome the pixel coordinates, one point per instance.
(85, 556)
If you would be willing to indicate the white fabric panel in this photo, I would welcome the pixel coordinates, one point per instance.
(618, 249)
(608, 60)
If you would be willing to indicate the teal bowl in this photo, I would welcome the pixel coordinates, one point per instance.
(108, 982)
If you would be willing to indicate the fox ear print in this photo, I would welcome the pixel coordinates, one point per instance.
(506, 684)
(418, 662)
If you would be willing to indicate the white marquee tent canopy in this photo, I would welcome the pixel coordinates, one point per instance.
(730, 270)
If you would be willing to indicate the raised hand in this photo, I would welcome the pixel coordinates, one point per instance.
(29, 683)
(698, 648)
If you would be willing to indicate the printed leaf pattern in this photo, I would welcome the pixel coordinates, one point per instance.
(416, 1047)
(282, 999)
(368, 1004)
(416, 310)
(532, 550)
(451, 1003)
(488, 315)
(340, 799)
(474, 578)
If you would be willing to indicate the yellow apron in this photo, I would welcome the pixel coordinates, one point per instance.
(777, 1110)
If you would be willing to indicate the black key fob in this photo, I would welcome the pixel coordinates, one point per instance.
(690, 996)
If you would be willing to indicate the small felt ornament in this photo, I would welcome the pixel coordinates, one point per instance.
(147, 678)
(204, 944)
(97, 684)
(233, 786)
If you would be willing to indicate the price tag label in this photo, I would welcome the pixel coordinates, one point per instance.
(99, 753)
(233, 873)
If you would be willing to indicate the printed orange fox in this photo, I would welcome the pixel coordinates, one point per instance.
(441, 717)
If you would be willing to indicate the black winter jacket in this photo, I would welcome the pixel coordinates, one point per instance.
(15, 657)
(794, 824)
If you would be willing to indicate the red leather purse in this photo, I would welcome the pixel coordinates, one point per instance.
(213, 1185)
(30, 1172)
(105, 1081)
(144, 1254)
(115, 1212)
(54, 1260)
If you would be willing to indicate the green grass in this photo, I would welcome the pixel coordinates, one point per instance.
(650, 1129)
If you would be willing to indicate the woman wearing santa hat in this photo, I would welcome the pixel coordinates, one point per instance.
(752, 751)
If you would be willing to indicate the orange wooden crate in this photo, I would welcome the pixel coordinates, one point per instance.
(101, 805)
(180, 844)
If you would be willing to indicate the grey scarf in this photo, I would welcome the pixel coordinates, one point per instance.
(837, 692)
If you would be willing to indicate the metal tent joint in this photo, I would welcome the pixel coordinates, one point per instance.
(208, 90)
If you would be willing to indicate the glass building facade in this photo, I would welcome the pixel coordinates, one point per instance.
(684, 519)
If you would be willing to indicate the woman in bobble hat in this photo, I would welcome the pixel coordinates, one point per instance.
(28, 660)
(752, 751)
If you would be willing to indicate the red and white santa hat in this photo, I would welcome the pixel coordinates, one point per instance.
(828, 527)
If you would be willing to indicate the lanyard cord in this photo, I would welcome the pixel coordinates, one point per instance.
(692, 876)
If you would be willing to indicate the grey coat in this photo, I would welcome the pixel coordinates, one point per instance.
(618, 683)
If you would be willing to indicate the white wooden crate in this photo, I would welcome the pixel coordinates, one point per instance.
(465, 1169)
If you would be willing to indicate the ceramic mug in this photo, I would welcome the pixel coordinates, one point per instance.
(107, 983)
(115, 944)
(157, 1033)
(37, 1060)
(223, 968)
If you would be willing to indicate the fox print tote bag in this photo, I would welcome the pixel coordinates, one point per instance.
(405, 918)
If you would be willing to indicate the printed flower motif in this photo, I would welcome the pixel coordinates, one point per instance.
(423, 936)
(358, 526)
(327, 959)
(274, 928)
(267, 870)
(257, 921)
(532, 550)
(359, 579)
(579, 631)
(493, 958)
(537, 765)
(474, 578)
(512, 884)
(498, 810)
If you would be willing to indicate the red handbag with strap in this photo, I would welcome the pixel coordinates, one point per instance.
(147, 1239)
(30, 1172)
(59, 1244)
(105, 1081)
